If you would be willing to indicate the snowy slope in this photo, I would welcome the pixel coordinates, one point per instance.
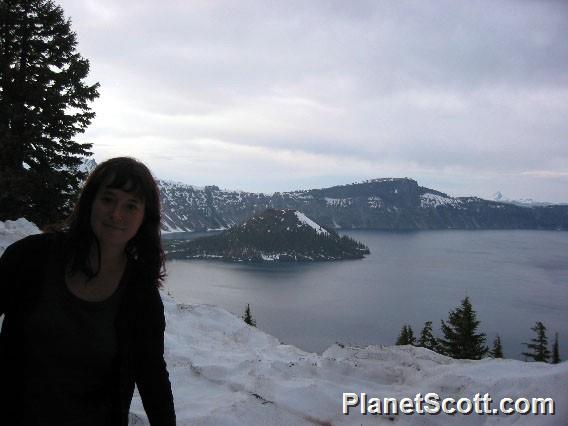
(429, 200)
(307, 221)
(225, 372)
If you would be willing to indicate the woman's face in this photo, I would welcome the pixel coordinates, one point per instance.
(116, 216)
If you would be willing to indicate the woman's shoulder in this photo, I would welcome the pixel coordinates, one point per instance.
(35, 244)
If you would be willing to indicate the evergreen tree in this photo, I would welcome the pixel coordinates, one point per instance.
(43, 105)
(427, 339)
(497, 351)
(461, 340)
(539, 344)
(247, 317)
(555, 351)
(406, 336)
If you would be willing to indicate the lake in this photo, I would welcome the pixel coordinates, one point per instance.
(513, 279)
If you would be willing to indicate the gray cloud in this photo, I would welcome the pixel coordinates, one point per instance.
(471, 97)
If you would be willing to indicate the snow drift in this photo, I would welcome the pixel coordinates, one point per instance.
(225, 372)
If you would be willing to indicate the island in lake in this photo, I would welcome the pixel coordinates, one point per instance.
(274, 235)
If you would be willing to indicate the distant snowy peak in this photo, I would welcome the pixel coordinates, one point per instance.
(523, 202)
(88, 165)
(498, 196)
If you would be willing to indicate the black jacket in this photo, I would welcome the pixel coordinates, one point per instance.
(140, 330)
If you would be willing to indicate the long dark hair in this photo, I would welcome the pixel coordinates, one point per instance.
(145, 248)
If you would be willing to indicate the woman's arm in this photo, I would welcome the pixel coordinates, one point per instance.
(16, 264)
(7, 272)
(152, 377)
(21, 267)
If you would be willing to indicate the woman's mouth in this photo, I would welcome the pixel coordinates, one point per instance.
(115, 227)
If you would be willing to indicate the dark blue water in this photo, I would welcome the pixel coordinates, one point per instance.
(513, 278)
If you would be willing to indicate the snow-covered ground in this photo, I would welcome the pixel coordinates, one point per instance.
(225, 372)
(307, 221)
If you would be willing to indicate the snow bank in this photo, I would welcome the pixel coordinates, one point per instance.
(225, 372)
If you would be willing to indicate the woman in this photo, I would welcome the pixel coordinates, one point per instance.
(84, 321)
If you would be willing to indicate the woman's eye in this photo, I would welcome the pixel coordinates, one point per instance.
(133, 207)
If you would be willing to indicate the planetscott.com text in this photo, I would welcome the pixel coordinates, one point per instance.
(432, 403)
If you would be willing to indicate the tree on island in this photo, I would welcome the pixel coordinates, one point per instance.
(555, 351)
(539, 344)
(497, 351)
(461, 340)
(427, 339)
(43, 104)
(247, 317)
(406, 336)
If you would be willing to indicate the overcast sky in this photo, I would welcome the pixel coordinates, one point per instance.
(467, 97)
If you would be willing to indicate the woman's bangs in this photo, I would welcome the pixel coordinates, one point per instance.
(127, 181)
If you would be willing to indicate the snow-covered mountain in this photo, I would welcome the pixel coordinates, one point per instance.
(190, 208)
(392, 203)
(88, 165)
(224, 372)
(523, 202)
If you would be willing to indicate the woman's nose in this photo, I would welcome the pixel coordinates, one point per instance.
(116, 213)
